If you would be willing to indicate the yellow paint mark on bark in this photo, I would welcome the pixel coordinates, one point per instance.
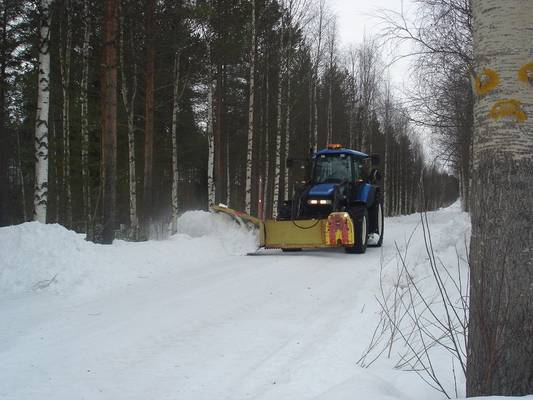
(525, 73)
(508, 108)
(486, 81)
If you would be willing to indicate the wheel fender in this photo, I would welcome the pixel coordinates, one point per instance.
(365, 194)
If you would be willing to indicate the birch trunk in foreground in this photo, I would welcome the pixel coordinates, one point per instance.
(109, 119)
(500, 344)
(249, 151)
(40, 201)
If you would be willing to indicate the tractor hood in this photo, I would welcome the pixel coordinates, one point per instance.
(324, 190)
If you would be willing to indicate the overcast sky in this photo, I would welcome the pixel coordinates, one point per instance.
(357, 18)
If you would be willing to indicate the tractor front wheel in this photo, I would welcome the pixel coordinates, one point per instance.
(359, 216)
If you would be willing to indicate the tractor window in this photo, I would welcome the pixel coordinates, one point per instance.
(336, 168)
(358, 169)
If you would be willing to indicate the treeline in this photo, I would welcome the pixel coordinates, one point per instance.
(440, 33)
(208, 99)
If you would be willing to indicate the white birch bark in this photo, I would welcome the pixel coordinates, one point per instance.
(84, 100)
(128, 101)
(249, 150)
(41, 121)
(501, 252)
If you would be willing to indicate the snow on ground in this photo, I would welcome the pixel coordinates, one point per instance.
(193, 317)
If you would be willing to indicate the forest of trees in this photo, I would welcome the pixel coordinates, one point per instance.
(160, 107)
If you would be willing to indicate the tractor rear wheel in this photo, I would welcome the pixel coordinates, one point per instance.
(359, 216)
(379, 219)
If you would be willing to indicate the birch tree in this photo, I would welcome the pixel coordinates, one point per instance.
(41, 121)
(501, 275)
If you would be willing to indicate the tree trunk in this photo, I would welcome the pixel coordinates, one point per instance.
(175, 172)
(316, 72)
(218, 139)
(109, 119)
(4, 211)
(211, 184)
(228, 177)
(266, 190)
(149, 118)
(286, 191)
(41, 121)
(277, 152)
(500, 345)
(129, 105)
(250, 141)
(84, 100)
(21, 177)
(64, 61)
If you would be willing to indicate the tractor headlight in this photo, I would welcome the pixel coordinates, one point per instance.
(322, 202)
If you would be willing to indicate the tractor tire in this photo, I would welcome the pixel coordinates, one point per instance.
(379, 218)
(359, 216)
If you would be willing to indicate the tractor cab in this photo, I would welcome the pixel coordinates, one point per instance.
(339, 178)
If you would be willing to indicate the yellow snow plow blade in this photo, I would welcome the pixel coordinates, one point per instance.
(335, 231)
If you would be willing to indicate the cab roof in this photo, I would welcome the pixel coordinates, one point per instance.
(332, 152)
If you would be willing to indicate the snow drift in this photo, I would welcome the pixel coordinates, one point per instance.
(191, 318)
(34, 256)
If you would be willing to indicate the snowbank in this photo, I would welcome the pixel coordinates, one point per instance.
(35, 257)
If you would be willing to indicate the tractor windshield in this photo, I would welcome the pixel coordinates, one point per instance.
(332, 168)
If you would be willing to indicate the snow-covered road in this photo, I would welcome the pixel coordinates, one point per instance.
(194, 318)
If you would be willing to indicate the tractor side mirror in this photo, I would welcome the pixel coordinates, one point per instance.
(375, 175)
(376, 159)
(289, 162)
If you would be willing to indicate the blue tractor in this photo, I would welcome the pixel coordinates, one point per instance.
(340, 180)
